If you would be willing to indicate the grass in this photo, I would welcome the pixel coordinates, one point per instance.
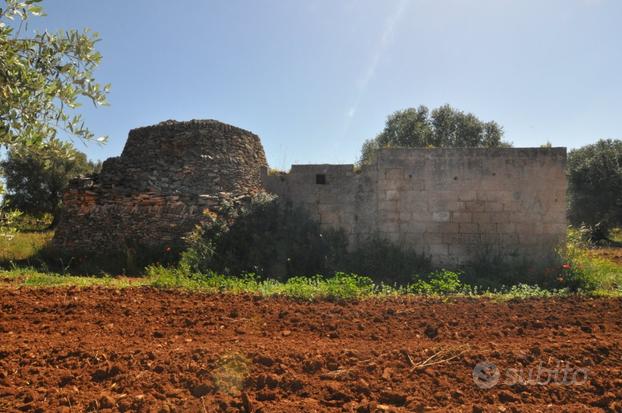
(589, 268)
(589, 274)
(339, 287)
(30, 277)
(601, 274)
(22, 245)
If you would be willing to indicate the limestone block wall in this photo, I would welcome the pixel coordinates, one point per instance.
(157, 190)
(451, 204)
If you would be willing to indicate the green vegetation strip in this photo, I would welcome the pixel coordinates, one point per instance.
(339, 287)
(22, 245)
(582, 273)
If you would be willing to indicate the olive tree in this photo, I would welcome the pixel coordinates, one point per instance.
(37, 177)
(443, 127)
(44, 78)
(595, 187)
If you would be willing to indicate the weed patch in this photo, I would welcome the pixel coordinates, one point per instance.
(23, 245)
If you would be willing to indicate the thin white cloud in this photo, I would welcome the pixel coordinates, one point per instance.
(370, 71)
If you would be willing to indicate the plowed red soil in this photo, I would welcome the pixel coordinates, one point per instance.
(141, 349)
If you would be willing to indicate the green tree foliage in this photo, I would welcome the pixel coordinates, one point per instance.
(37, 176)
(443, 127)
(43, 77)
(595, 187)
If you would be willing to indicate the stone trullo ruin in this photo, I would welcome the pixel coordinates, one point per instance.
(450, 204)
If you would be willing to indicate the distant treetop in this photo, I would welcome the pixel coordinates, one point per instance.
(444, 127)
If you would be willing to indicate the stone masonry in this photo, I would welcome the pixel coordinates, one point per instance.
(158, 189)
(451, 204)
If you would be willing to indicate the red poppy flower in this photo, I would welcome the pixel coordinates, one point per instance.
(566, 266)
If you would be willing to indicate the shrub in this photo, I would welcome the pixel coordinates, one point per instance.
(274, 239)
(438, 282)
(595, 187)
(267, 238)
(37, 177)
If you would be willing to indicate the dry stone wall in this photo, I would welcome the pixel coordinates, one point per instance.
(158, 189)
(455, 205)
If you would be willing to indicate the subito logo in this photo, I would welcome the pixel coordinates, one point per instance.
(485, 375)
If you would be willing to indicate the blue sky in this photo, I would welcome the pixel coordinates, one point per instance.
(315, 78)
